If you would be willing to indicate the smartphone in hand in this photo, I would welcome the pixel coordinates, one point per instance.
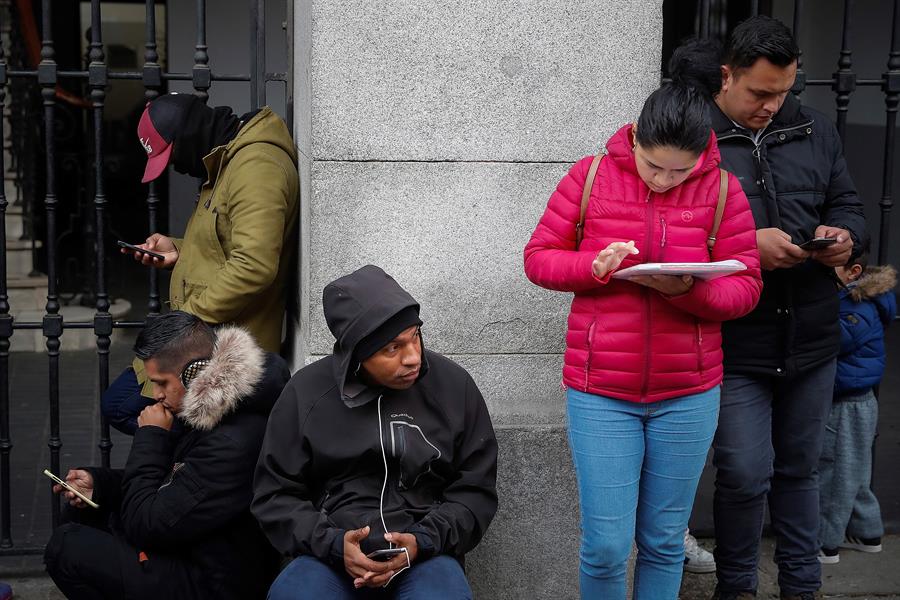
(138, 250)
(385, 555)
(818, 243)
(68, 487)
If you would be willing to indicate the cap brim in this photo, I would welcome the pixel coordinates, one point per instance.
(157, 164)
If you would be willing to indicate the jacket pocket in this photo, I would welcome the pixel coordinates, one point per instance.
(191, 289)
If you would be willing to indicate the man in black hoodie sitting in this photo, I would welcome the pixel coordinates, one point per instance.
(381, 445)
(176, 522)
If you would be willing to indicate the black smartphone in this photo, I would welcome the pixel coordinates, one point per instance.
(818, 243)
(134, 248)
(384, 555)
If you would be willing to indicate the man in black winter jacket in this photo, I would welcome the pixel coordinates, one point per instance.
(176, 523)
(380, 446)
(779, 359)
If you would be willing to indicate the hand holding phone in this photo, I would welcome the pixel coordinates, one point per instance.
(139, 250)
(817, 243)
(385, 554)
(70, 488)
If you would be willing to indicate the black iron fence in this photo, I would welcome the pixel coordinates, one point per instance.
(44, 78)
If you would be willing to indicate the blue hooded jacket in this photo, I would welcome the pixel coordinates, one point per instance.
(868, 305)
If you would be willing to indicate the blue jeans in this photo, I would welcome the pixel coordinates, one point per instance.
(637, 466)
(767, 448)
(848, 505)
(306, 578)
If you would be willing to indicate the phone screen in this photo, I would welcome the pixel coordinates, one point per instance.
(61, 482)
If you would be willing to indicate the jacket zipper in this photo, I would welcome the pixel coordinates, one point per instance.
(648, 325)
(699, 347)
(662, 222)
(590, 349)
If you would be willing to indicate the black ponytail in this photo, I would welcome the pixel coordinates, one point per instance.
(677, 114)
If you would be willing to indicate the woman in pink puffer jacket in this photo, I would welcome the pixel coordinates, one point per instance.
(643, 357)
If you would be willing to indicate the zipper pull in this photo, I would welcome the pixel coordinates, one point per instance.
(662, 223)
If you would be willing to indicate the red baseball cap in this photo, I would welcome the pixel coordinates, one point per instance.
(157, 128)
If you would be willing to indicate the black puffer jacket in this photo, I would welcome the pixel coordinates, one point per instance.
(796, 179)
(330, 440)
(188, 495)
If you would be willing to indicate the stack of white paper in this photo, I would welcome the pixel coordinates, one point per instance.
(710, 270)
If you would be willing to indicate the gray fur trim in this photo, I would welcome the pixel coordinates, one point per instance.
(236, 366)
(874, 282)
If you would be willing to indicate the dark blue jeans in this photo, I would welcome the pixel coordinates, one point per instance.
(305, 578)
(767, 447)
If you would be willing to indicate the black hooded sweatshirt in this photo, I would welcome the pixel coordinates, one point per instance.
(332, 442)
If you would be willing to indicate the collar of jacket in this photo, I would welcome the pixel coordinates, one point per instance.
(234, 369)
(791, 117)
(218, 157)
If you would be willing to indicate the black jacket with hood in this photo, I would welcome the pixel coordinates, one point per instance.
(187, 496)
(332, 444)
(796, 179)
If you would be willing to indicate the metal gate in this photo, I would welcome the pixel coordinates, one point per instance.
(45, 77)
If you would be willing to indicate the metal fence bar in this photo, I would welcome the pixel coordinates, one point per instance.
(704, 18)
(201, 73)
(844, 78)
(102, 319)
(53, 321)
(6, 332)
(800, 81)
(891, 100)
(152, 84)
(257, 53)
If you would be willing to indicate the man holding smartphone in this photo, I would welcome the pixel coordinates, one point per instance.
(780, 358)
(176, 522)
(379, 460)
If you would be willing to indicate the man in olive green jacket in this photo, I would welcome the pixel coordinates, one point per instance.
(232, 265)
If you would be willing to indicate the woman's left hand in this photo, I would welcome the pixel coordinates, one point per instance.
(670, 285)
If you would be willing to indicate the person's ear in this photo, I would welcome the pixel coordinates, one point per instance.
(726, 78)
(855, 272)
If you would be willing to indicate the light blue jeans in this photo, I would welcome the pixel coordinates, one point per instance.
(637, 466)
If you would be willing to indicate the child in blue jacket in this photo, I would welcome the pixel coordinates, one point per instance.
(849, 512)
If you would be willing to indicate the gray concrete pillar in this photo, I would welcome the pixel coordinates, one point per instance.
(431, 135)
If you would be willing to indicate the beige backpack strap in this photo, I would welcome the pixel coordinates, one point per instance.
(586, 197)
(720, 210)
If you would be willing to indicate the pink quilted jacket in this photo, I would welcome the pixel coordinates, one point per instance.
(628, 341)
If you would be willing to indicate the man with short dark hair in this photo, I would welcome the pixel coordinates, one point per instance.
(779, 359)
(176, 522)
(379, 460)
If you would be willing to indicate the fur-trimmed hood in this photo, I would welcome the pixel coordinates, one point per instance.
(236, 375)
(874, 282)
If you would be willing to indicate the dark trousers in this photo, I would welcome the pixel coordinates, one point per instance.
(767, 448)
(88, 563)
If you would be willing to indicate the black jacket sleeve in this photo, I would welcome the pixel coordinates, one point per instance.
(107, 488)
(282, 499)
(469, 503)
(166, 503)
(843, 208)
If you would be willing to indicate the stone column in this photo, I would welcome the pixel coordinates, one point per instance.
(431, 135)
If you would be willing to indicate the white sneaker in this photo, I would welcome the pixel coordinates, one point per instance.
(696, 559)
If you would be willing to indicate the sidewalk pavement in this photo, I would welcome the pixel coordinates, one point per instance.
(859, 576)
